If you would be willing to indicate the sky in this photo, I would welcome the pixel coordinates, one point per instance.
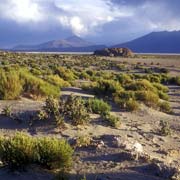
(99, 21)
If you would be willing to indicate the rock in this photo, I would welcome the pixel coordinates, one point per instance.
(100, 144)
(134, 148)
(137, 147)
(164, 170)
(114, 52)
(176, 176)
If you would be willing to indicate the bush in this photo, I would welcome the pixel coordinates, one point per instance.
(132, 105)
(51, 106)
(124, 79)
(53, 153)
(163, 95)
(21, 150)
(37, 87)
(147, 97)
(107, 87)
(76, 110)
(164, 128)
(7, 111)
(113, 121)
(42, 115)
(160, 87)
(126, 100)
(83, 141)
(165, 107)
(17, 151)
(65, 74)
(98, 106)
(123, 95)
(10, 85)
(52, 110)
(57, 81)
(141, 85)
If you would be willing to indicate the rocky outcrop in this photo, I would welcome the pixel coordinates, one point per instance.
(114, 52)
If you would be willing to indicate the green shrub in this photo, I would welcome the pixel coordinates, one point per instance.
(37, 87)
(98, 106)
(113, 121)
(54, 153)
(132, 105)
(51, 106)
(7, 111)
(21, 150)
(165, 107)
(124, 79)
(17, 151)
(76, 110)
(10, 85)
(53, 111)
(123, 95)
(42, 115)
(141, 85)
(165, 129)
(65, 74)
(83, 141)
(107, 87)
(57, 81)
(160, 87)
(163, 95)
(84, 75)
(147, 97)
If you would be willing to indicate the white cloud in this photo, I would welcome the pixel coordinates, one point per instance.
(85, 17)
(21, 11)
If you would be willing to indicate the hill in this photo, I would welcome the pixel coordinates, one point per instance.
(155, 42)
(70, 44)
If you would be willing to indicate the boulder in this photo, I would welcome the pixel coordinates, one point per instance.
(114, 52)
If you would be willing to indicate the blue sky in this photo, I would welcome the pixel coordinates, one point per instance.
(99, 21)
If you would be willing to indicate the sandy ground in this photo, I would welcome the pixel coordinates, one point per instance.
(109, 162)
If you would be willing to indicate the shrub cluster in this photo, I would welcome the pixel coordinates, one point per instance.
(112, 120)
(107, 87)
(37, 87)
(21, 150)
(98, 106)
(10, 85)
(74, 107)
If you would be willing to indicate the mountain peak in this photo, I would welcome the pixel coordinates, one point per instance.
(155, 42)
(72, 43)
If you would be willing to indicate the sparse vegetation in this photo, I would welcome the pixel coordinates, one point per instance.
(164, 128)
(113, 121)
(165, 107)
(21, 150)
(98, 106)
(7, 111)
(36, 83)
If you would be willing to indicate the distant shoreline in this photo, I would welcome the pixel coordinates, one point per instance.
(33, 52)
(88, 53)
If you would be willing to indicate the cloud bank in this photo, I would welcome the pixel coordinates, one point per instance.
(104, 21)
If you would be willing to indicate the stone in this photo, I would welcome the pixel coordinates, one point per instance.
(114, 52)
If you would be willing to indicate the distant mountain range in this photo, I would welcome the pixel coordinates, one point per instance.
(70, 44)
(155, 42)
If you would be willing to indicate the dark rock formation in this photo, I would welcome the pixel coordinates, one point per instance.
(114, 52)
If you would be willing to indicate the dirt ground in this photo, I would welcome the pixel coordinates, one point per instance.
(108, 162)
